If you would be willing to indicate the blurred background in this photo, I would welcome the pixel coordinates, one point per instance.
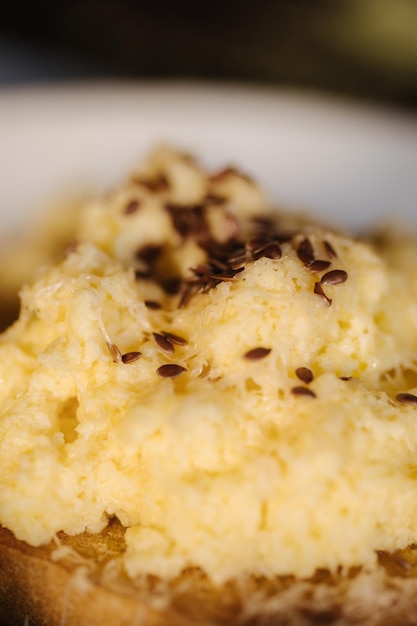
(365, 49)
(360, 50)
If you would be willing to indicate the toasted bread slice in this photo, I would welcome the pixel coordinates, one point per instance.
(77, 582)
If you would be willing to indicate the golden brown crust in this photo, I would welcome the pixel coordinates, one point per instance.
(45, 591)
(33, 586)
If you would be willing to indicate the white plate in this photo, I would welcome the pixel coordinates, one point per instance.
(353, 165)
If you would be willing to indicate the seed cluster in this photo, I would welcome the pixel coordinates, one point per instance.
(206, 276)
(166, 341)
(305, 253)
(163, 342)
(227, 259)
(224, 262)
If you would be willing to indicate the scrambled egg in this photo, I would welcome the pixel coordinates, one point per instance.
(237, 386)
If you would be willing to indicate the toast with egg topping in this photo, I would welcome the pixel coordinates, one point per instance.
(207, 415)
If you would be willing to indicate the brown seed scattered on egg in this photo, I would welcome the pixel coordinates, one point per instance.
(304, 374)
(180, 341)
(201, 269)
(271, 250)
(149, 253)
(143, 274)
(129, 357)
(318, 290)
(305, 251)
(170, 370)
(222, 278)
(406, 398)
(334, 277)
(318, 266)
(257, 353)
(131, 207)
(172, 285)
(115, 353)
(218, 264)
(239, 261)
(163, 342)
(153, 305)
(303, 391)
(188, 292)
(254, 245)
(188, 220)
(330, 250)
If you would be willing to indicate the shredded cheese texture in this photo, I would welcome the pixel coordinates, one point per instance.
(154, 375)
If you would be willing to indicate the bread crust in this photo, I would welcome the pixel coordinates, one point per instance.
(36, 589)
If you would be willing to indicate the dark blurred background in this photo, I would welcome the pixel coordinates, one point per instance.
(366, 49)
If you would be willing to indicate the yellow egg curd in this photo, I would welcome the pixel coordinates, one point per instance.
(237, 386)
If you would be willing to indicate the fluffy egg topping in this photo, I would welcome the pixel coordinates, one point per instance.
(236, 385)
